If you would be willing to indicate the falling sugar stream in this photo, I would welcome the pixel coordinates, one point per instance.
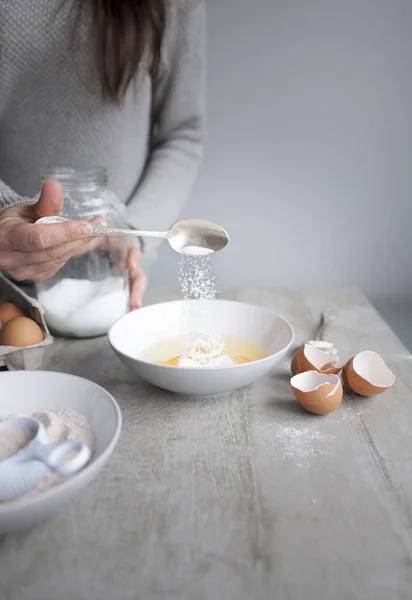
(197, 282)
(196, 278)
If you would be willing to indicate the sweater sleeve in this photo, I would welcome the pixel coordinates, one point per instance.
(178, 123)
(9, 198)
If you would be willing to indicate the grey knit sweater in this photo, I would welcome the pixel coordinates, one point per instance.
(51, 112)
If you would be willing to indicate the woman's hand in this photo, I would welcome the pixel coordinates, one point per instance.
(37, 252)
(129, 260)
(137, 277)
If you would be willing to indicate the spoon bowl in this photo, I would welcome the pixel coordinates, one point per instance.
(197, 237)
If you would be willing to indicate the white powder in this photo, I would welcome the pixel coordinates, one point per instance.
(83, 308)
(14, 439)
(196, 251)
(196, 278)
(204, 349)
(299, 441)
(199, 345)
(61, 426)
(327, 346)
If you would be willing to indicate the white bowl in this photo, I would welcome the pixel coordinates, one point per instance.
(31, 391)
(137, 331)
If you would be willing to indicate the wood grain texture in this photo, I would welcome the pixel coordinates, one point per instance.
(245, 496)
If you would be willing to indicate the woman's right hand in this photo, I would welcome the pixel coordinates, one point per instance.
(36, 252)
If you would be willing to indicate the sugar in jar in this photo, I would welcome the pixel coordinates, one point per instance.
(90, 292)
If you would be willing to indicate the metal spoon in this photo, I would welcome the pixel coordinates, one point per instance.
(187, 236)
(326, 319)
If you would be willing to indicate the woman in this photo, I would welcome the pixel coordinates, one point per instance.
(112, 83)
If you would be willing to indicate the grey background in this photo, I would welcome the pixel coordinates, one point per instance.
(308, 161)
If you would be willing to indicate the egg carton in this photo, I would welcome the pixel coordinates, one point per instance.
(31, 357)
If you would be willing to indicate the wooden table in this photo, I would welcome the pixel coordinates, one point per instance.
(244, 496)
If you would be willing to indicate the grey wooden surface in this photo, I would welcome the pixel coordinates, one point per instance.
(240, 497)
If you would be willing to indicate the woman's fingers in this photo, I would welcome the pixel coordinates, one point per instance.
(56, 256)
(133, 256)
(137, 278)
(115, 247)
(34, 274)
(138, 285)
(29, 237)
(53, 256)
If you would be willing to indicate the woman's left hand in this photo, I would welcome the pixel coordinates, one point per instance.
(137, 277)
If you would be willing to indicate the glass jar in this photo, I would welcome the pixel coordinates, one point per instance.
(90, 292)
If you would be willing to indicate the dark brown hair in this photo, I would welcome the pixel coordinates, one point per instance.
(126, 33)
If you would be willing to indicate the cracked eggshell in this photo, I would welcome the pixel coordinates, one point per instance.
(366, 374)
(310, 358)
(318, 393)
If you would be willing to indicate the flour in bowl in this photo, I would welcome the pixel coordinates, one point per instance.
(205, 350)
(61, 426)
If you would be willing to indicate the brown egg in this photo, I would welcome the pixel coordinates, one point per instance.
(366, 374)
(310, 358)
(21, 332)
(9, 311)
(318, 393)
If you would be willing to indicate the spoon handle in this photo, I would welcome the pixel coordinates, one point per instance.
(326, 319)
(98, 230)
(53, 456)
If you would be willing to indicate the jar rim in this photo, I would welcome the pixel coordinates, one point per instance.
(74, 175)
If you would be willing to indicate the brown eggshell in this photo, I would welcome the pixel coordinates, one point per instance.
(9, 311)
(318, 393)
(310, 358)
(366, 374)
(21, 332)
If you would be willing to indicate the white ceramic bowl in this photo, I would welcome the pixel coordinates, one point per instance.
(30, 391)
(137, 331)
